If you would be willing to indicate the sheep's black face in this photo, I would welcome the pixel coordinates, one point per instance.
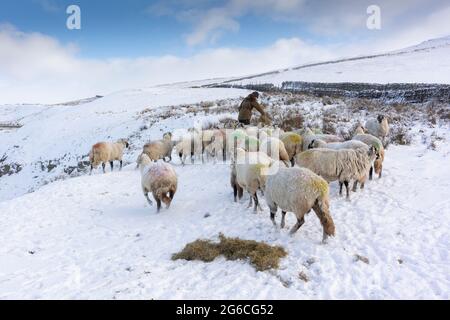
(127, 145)
(380, 118)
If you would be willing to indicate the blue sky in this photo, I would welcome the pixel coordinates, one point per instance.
(136, 28)
(133, 29)
(135, 43)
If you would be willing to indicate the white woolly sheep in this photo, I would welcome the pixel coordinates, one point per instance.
(237, 190)
(104, 152)
(328, 138)
(160, 149)
(373, 141)
(190, 145)
(274, 148)
(351, 144)
(378, 127)
(251, 170)
(299, 190)
(342, 165)
(235, 139)
(217, 145)
(158, 178)
(293, 143)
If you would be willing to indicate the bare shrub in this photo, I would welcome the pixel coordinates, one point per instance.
(287, 119)
(399, 135)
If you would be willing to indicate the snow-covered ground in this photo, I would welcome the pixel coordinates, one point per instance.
(428, 62)
(64, 134)
(96, 237)
(66, 234)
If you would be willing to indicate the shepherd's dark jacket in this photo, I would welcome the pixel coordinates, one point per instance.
(246, 107)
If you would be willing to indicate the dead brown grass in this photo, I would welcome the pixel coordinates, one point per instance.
(261, 255)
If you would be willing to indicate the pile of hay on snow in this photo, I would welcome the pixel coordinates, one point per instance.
(261, 255)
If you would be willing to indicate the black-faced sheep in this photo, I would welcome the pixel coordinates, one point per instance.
(299, 190)
(104, 152)
(378, 127)
(160, 149)
(158, 178)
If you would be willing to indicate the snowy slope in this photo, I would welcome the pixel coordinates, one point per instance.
(64, 133)
(428, 62)
(96, 237)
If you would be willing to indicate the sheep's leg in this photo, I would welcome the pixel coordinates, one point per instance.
(293, 161)
(148, 199)
(381, 172)
(355, 185)
(324, 216)
(347, 189)
(111, 165)
(370, 173)
(297, 226)
(235, 192)
(273, 213)
(103, 167)
(240, 192)
(192, 158)
(257, 206)
(92, 168)
(340, 187)
(158, 206)
(283, 219)
(250, 201)
(121, 165)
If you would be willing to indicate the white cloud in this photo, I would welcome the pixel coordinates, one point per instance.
(37, 68)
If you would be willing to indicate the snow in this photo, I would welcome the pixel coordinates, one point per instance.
(66, 133)
(96, 237)
(428, 62)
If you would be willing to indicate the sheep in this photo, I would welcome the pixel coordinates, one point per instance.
(216, 147)
(235, 139)
(190, 145)
(373, 141)
(351, 144)
(293, 143)
(252, 131)
(378, 127)
(237, 190)
(103, 152)
(342, 165)
(274, 148)
(308, 138)
(158, 178)
(160, 149)
(251, 170)
(299, 190)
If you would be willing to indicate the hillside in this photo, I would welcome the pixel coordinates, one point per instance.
(428, 62)
(66, 234)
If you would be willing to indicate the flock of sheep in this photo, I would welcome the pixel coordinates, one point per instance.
(291, 169)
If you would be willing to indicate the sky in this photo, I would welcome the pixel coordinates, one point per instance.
(139, 43)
